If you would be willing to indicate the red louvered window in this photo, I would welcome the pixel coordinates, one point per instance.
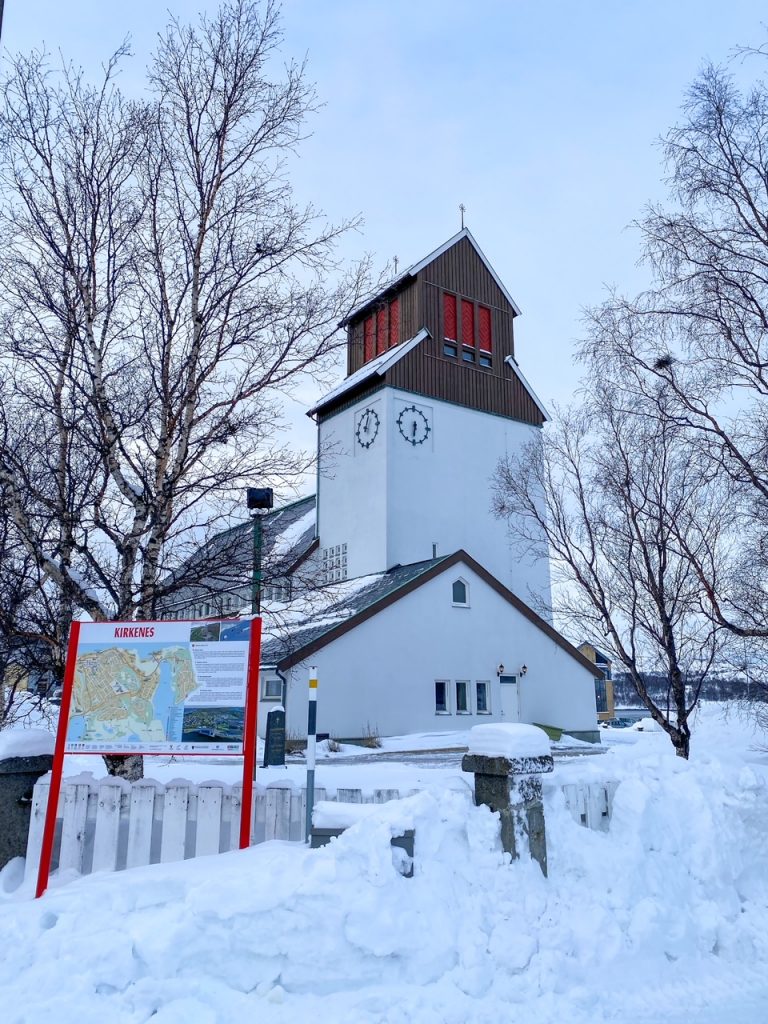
(381, 330)
(467, 323)
(449, 317)
(368, 328)
(394, 322)
(484, 327)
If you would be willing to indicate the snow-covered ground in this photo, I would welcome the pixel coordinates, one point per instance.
(662, 919)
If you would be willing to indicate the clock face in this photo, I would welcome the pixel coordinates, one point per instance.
(367, 427)
(413, 424)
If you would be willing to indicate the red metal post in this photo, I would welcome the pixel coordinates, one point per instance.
(54, 789)
(249, 739)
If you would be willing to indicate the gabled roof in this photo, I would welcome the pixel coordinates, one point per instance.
(225, 561)
(352, 602)
(375, 368)
(415, 268)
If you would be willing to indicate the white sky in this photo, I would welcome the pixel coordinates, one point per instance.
(540, 117)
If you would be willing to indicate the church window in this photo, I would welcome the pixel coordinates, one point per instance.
(334, 563)
(460, 593)
(485, 341)
(381, 330)
(450, 331)
(441, 697)
(462, 697)
(468, 323)
(368, 332)
(394, 322)
(481, 697)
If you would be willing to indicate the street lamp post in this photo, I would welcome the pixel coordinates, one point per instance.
(259, 500)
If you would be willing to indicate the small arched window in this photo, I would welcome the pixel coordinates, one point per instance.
(460, 592)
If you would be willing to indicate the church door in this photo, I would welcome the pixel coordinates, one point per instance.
(510, 704)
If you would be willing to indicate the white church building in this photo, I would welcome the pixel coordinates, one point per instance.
(415, 606)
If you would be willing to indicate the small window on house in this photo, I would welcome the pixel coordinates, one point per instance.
(482, 704)
(272, 689)
(450, 350)
(441, 697)
(462, 697)
(460, 593)
(468, 355)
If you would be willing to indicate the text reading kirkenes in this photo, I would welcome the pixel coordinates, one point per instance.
(134, 631)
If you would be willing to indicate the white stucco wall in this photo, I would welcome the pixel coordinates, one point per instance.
(381, 675)
(390, 503)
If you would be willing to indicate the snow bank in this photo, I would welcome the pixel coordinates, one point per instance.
(663, 918)
(512, 741)
(26, 742)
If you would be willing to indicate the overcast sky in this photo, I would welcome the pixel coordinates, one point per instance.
(542, 118)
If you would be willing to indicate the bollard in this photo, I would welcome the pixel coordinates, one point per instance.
(512, 787)
(18, 776)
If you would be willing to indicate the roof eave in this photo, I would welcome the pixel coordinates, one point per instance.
(460, 556)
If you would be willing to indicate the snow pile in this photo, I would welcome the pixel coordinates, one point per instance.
(663, 918)
(26, 742)
(511, 741)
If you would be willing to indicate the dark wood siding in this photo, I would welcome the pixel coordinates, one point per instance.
(424, 373)
(408, 316)
(426, 370)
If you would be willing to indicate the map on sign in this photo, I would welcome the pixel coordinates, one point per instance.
(158, 687)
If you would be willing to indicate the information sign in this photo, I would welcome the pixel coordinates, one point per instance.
(159, 688)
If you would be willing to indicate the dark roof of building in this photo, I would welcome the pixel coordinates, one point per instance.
(226, 560)
(343, 606)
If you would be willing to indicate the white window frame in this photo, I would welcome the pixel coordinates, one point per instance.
(265, 695)
(460, 604)
(487, 684)
(447, 684)
(467, 696)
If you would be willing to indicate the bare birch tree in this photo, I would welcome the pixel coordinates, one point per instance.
(162, 292)
(608, 490)
(701, 332)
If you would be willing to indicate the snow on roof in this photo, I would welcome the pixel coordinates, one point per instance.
(293, 533)
(376, 367)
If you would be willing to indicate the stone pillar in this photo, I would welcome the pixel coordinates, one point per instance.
(512, 787)
(18, 776)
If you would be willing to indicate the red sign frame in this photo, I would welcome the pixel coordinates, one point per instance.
(249, 747)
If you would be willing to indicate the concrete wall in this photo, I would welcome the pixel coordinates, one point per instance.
(382, 674)
(392, 501)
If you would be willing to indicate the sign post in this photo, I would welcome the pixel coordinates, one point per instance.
(311, 745)
(154, 687)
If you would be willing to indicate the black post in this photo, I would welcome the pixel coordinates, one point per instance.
(259, 499)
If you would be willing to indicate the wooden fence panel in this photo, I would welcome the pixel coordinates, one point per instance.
(175, 809)
(107, 836)
(107, 824)
(140, 824)
(73, 826)
(209, 815)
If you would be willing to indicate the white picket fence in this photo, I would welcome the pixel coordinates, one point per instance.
(109, 824)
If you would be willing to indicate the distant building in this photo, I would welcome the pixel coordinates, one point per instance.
(400, 585)
(603, 687)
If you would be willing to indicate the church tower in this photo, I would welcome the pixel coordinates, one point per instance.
(410, 440)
